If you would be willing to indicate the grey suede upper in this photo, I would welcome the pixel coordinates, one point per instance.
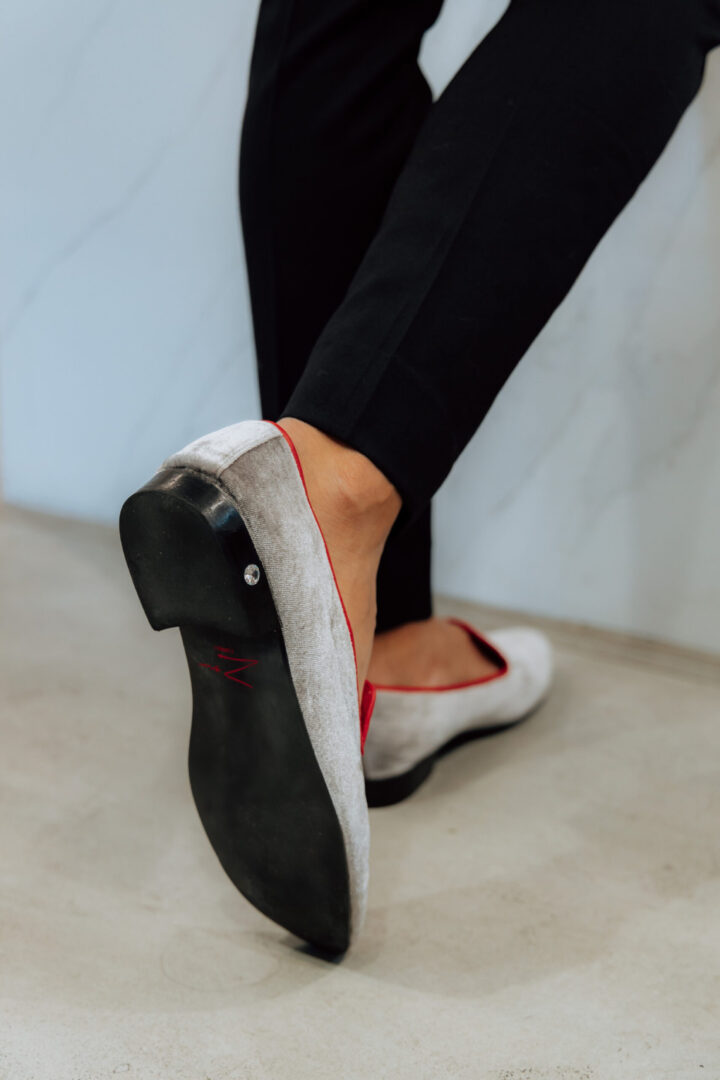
(409, 725)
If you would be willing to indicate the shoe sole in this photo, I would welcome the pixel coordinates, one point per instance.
(395, 789)
(255, 779)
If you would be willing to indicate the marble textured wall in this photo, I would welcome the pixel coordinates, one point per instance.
(593, 489)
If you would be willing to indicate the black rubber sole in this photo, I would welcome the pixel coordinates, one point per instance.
(254, 776)
(395, 789)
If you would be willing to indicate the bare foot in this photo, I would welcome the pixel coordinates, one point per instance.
(355, 505)
(430, 652)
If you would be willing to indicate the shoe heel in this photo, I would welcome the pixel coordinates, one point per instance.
(191, 558)
(397, 788)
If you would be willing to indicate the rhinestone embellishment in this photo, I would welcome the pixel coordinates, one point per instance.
(251, 574)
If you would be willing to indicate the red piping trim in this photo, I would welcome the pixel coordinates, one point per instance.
(367, 705)
(483, 644)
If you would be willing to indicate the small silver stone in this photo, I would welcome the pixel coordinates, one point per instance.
(251, 574)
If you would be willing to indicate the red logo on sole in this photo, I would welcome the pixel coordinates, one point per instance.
(225, 656)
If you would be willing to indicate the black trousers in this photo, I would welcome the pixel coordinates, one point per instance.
(402, 253)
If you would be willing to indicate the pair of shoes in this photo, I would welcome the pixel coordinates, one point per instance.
(224, 544)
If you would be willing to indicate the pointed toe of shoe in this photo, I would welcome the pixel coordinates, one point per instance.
(530, 659)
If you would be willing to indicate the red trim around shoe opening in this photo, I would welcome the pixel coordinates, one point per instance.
(367, 704)
(368, 697)
(483, 645)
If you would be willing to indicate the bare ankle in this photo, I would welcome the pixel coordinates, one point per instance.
(345, 480)
(355, 506)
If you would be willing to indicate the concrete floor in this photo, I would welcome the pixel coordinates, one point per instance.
(546, 908)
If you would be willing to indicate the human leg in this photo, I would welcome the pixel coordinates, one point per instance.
(522, 164)
(335, 101)
(520, 167)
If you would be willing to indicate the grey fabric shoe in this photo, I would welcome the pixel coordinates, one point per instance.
(413, 726)
(223, 542)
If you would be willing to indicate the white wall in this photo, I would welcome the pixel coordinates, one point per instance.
(593, 489)
(124, 309)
